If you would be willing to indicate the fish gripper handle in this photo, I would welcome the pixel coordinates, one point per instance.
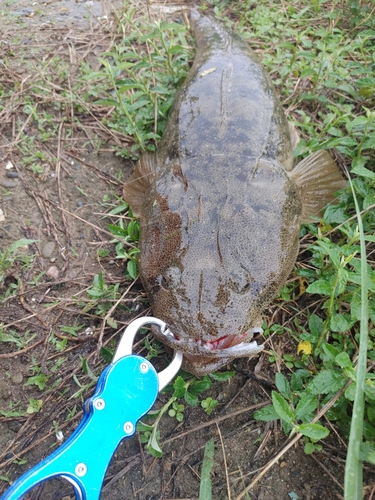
(125, 391)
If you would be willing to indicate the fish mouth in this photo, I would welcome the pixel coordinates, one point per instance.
(228, 346)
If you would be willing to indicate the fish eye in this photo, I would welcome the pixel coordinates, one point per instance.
(162, 282)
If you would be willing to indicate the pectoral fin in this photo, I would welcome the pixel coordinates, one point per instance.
(318, 178)
(137, 186)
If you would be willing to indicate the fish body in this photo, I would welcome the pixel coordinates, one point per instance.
(221, 203)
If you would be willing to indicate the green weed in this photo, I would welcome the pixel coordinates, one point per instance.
(13, 254)
(102, 295)
(186, 388)
(139, 84)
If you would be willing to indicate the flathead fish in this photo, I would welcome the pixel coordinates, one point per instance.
(221, 203)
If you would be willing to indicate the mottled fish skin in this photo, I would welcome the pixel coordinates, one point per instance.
(220, 213)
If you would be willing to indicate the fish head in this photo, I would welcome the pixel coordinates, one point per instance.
(210, 268)
(210, 321)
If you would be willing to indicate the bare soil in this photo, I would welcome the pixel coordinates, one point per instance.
(63, 206)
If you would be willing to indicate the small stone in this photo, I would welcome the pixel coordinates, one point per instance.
(9, 165)
(17, 378)
(12, 174)
(48, 249)
(282, 465)
(2, 216)
(6, 393)
(9, 184)
(9, 456)
(53, 272)
(80, 203)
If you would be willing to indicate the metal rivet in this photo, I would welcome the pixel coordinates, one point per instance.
(128, 428)
(99, 404)
(81, 469)
(144, 367)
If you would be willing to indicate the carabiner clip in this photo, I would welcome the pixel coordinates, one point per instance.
(126, 390)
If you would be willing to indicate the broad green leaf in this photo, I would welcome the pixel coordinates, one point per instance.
(331, 351)
(309, 448)
(153, 446)
(190, 399)
(371, 414)
(313, 431)
(38, 380)
(117, 231)
(327, 382)
(111, 322)
(282, 385)
(266, 414)
(106, 354)
(282, 408)
(132, 268)
(315, 325)
(297, 379)
(141, 427)
(367, 452)
(368, 431)
(350, 392)
(306, 405)
(222, 376)
(340, 322)
(321, 287)
(199, 386)
(87, 370)
(106, 102)
(334, 214)
(363, 171)
(179, 387)
(343, 360)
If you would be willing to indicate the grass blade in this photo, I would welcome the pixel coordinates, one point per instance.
(205, 491)
(353, 483)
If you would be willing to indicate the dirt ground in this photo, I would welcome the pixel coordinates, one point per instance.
(63, 209)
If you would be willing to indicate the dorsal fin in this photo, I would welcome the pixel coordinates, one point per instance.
(318, 178)
(138, 185)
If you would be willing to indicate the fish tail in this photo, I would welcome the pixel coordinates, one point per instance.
(209, 35)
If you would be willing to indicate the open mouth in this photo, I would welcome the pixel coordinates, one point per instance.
(228, 346)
